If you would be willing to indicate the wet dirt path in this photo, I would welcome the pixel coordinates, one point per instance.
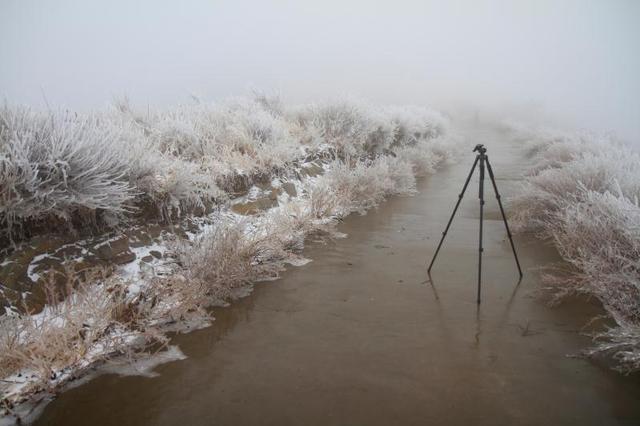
(357, 337)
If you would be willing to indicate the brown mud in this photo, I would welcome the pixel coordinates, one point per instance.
(360, 337)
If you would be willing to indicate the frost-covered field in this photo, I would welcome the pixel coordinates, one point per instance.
(582, 193)
(62, 171)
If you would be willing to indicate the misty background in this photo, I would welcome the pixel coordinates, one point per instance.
(575, 61)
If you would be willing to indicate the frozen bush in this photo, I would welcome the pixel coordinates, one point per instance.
(550, 189)
(239, 126)
(584, 197)
(341, 126)
(353, 128)
(348, 187)
(59, 166)
(233, 255)
(422, 157)
(413, 123)
(623, 341)
(179, 187)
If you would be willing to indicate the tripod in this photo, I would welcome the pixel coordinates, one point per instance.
(483, 159)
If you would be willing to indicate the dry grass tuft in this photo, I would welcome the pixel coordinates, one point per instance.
(87, 320)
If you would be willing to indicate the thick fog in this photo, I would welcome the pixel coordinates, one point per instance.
(575, 60)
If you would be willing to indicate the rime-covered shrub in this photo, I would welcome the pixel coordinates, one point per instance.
(340, 126)
(583, 195)
(550, 189)
(179, 187)
(347, 187)
(351, 128)
(235, 139)
(413, 123)
(423, 156)
(58, 165)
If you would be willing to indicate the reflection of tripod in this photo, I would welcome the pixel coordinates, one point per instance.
(482, 158)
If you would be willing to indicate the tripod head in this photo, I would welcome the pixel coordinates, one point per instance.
(480, 149)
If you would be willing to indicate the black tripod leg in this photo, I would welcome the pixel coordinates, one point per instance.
(504, 217)
(481, 196)
(444, 234)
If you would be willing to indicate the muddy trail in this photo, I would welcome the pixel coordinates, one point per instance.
(359, 337)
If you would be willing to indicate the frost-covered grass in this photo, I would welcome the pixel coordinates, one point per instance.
(582, 193)
(178, 161)
(60, 169)
(88, 320)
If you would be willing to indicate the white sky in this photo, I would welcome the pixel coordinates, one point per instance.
(579, 59)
